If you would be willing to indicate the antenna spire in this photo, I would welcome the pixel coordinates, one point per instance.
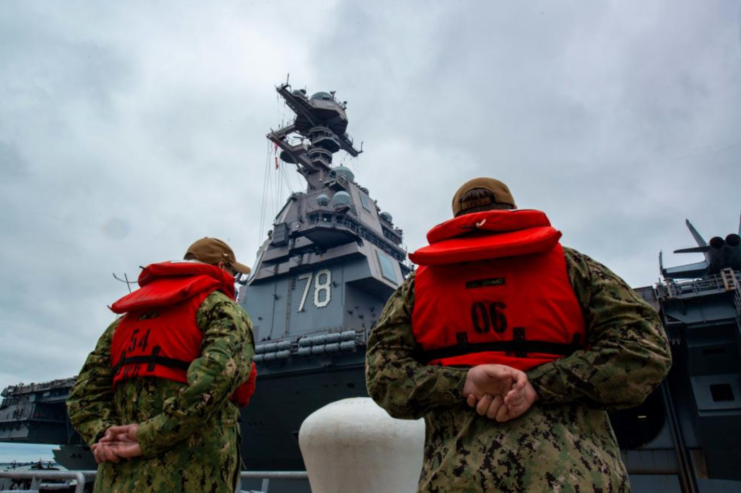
(125, 280)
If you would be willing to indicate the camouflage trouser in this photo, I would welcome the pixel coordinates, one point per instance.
(564, 448)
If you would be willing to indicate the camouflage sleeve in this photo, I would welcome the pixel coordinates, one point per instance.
(405, 388)
(628, 353)
(224, 364)
(90, 404)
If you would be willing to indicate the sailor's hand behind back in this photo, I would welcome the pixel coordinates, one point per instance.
(103, 453)
(119, 442)
(517, 402)
(498, 392)
(122, 441)
(493, 380)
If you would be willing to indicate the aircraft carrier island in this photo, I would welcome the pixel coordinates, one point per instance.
(319, 284)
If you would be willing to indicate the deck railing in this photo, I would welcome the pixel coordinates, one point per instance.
(62, 480)
(671, 288)
(40, 480)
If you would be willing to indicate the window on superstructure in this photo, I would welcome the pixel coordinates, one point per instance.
(387, 267)
(365, 201)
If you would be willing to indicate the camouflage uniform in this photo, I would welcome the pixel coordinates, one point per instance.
(564, 443)
(189, 435)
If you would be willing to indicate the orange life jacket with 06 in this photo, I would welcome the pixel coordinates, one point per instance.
(158, 336)
(492, 287)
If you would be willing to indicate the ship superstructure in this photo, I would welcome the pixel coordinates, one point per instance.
(332, 258)
(318, 286)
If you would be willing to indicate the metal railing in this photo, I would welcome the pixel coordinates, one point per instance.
(40, 480)
(673, 289)
(737, 297)
(327, 217)
(37, 387)
(266, 476)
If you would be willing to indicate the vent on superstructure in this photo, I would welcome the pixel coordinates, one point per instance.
(280, 234)
(721, 392)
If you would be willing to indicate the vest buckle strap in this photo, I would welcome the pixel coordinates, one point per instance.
(461, 340)
(519, 347)
(117, 369)
(518, 340)
(151, 361)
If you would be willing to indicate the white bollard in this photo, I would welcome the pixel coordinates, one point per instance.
(352, 445)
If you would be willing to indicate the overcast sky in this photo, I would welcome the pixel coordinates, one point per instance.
(130, 129)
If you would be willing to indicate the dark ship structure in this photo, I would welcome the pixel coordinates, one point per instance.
(687, 435)
(318, 287)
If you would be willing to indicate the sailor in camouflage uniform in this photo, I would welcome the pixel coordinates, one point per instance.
(564, 441)
(171, 435)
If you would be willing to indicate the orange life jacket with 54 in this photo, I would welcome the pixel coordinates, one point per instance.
(492, 287)
(158, 336)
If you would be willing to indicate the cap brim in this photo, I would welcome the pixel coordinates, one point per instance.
(240, 267)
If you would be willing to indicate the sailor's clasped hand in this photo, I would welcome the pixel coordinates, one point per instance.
(119, 442)
(499, 392)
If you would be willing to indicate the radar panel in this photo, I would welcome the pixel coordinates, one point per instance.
(387, 267)
(365, 201)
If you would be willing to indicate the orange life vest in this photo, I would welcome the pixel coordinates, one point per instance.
(492, 287)
(158, 336)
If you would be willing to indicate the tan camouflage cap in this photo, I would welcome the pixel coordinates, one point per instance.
(213, 251)
(501, 192)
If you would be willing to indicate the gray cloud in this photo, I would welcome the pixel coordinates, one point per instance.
(618, 120)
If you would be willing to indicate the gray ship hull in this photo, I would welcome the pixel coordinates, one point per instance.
(270, 424)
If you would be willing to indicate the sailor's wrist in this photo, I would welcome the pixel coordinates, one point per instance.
(99, 435)
(147, 436)
(541, 379)
(456, 393)
(102, 429)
